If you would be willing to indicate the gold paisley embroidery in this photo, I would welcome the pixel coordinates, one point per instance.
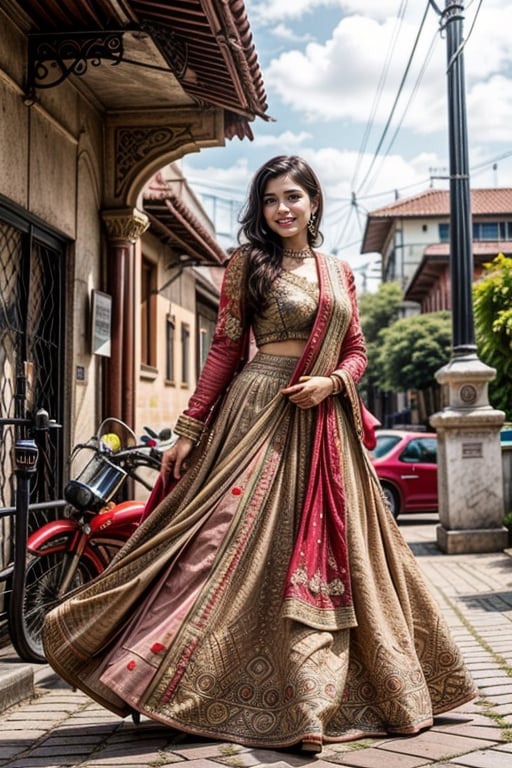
(290, 312)
(316, 585)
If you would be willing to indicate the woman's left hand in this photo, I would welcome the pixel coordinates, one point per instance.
(310, 391)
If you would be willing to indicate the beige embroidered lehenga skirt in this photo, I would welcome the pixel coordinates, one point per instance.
(187, 625)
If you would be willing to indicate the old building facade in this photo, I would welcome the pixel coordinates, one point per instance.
(99, 233)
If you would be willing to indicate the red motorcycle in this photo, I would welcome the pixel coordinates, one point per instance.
(64, 554)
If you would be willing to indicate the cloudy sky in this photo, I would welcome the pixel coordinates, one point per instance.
(358, 88)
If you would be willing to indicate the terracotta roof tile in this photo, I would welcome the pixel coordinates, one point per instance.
(435, 261)
(487, 249)
(430, 204)
(436, 202)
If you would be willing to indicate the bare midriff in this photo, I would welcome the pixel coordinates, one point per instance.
(291, 348)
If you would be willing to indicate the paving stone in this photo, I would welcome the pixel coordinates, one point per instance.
(373, 758)
(207, 750)
(486, 759)
(437, 746)
(496, 690)
(16, 735)
(35, 762)
(46, 730)
(492, 672)
(129, 750)
(505, 698)
(71, 750)
(486, 732)
(111, 763)
(39, 716)
(7, 752)
(126, 763)
(17, 685)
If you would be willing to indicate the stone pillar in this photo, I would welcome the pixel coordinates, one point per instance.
(470, 473)
(124, 227)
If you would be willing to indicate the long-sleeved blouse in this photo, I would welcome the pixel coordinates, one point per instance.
(229, 350)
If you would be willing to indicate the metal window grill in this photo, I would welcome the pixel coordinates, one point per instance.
(31, 351)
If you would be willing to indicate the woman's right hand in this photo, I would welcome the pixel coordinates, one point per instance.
(173, 460)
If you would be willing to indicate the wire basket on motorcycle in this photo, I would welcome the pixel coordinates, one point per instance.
(117, 455)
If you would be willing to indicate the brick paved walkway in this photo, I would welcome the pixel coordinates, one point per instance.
(61, 728)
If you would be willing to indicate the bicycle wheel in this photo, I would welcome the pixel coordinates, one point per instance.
(43, 577)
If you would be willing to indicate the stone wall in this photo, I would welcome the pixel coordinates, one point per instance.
(51, 166)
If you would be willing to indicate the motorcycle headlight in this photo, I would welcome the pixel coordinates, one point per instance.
(95, 486)
(79, 495)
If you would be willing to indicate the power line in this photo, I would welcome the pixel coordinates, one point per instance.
(409, 100)
(464, 42)
(380, 90)
(397, 97)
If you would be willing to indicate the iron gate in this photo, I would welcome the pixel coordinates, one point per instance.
(31, 363)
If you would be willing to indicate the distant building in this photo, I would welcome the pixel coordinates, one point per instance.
(178, 278)
(413, 238)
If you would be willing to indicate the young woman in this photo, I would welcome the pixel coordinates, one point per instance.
(269, 598)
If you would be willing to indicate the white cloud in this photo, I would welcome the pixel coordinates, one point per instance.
(488, 50)
(287, 141)
(335, 169)
(376, 9)
(275, 10)
(272, 10)
(286, 33)
(338, 79)
(234, 178)
(324, 91)
(490, 109)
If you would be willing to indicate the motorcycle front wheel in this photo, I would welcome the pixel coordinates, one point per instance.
(43, 577)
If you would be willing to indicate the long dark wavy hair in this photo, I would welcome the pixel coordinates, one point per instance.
(264, 247)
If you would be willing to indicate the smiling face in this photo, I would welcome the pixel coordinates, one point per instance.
(287, 209)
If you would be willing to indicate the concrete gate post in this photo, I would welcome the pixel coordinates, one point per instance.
(470, 471)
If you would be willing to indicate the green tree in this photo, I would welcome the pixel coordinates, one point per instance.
(377, 311)
(411, 351)
(492, 298)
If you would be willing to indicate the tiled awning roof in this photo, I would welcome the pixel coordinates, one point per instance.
(175, 223)
(218, 50)
(201, 48)
(435, 261)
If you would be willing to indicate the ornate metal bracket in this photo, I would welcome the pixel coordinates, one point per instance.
(53, 57)
(173, 49)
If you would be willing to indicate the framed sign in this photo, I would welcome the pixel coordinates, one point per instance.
(101, 323)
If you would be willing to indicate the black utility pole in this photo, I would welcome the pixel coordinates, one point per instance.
(461, 250)
(470, 477)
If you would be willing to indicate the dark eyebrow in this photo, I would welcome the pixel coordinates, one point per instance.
(286, 192)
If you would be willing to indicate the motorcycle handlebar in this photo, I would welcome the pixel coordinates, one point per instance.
(134, 457)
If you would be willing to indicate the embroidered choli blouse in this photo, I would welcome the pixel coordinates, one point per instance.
(290, 311)
(290, 314)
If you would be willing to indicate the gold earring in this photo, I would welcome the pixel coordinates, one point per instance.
(311, 224)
